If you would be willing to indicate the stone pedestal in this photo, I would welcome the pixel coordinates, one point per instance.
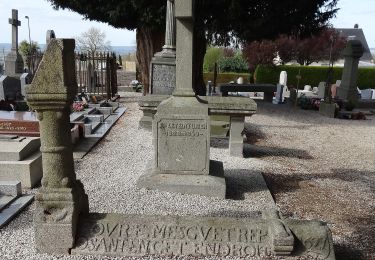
(163, 65)
(61, 199)
(348, 88)
(13, 63)
(181, 138)
(236, 137)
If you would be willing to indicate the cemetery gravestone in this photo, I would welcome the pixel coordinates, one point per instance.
(61, 198)
(20, 160)
(279, 94)
(19, 123)
(14, 61)
(25, 79)
(10, 85)
(163, 65)
(348, 87)
(283, 80)
(181, 129)
(321, 90)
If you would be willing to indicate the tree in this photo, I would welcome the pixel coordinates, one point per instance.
(218, 22)
(326, 45)
(234, 63)
(323, 46)
(92, 41)
(119, 60)
(259, 53)
(30, 54)
(213, 55)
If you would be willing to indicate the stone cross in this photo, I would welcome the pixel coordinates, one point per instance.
(184, 48)
(15, 23)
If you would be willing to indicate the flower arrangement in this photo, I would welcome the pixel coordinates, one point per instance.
(79, 106)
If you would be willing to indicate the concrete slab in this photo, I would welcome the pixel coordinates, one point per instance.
(28, 172)
(5, 200)
(17, 149)
(10, 188)
(14, 208)
(212, 185)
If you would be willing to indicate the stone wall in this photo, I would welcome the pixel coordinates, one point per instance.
(124, 78)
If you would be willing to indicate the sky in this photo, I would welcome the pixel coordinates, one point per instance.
(68, 24)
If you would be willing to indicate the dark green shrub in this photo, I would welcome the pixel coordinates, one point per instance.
(310, 75)
(233, 64)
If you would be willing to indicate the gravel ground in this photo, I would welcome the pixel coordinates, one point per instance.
(316, 168)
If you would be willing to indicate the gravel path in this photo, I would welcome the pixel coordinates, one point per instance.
(310, 153)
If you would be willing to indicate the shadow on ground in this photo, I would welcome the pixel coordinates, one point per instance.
(241, 181)
(350, 212)
(255, 151)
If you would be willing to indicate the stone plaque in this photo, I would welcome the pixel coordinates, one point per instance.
(163, 79)
(182, 145)
(19, 123)
(26, 128)
(127, 235)
(249, 238)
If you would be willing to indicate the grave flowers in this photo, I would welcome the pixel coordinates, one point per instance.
(79, 106)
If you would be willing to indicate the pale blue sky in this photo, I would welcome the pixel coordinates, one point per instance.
(68, 24)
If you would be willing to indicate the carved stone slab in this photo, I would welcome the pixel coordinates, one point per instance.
(250, 238)
(163, 78)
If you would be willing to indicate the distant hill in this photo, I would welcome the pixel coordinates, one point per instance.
(117, 49)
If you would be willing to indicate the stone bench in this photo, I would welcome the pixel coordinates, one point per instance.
(267, 89)
(234, 107)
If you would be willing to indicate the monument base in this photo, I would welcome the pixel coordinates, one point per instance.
(212, 185)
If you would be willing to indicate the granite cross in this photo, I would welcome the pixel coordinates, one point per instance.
(184, 47)
(15, 23)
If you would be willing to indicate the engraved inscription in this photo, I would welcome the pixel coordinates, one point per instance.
(10, 127)
(183, 129)
(163, 79)
(180, 142)
(18, 127)
(175, 239)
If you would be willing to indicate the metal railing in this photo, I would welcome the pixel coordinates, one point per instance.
(96, 73)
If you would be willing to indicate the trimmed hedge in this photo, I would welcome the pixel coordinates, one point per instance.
(311, 75)
(226, 77)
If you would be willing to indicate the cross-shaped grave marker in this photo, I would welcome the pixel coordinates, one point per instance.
(15, 23)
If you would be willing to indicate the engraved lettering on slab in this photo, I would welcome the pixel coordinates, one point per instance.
(130, 237)
(18, 126)
(179, 139)
(163, 79)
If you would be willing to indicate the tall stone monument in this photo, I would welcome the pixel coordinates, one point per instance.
(348, 88)
(10, 84)
(13, 61)
(163, 65)
(61, 199)
(181, 128)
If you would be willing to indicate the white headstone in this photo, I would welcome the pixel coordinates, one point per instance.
(321, 90)
(283, 78)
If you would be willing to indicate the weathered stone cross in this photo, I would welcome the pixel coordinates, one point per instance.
(184, 48)
(15, 23)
